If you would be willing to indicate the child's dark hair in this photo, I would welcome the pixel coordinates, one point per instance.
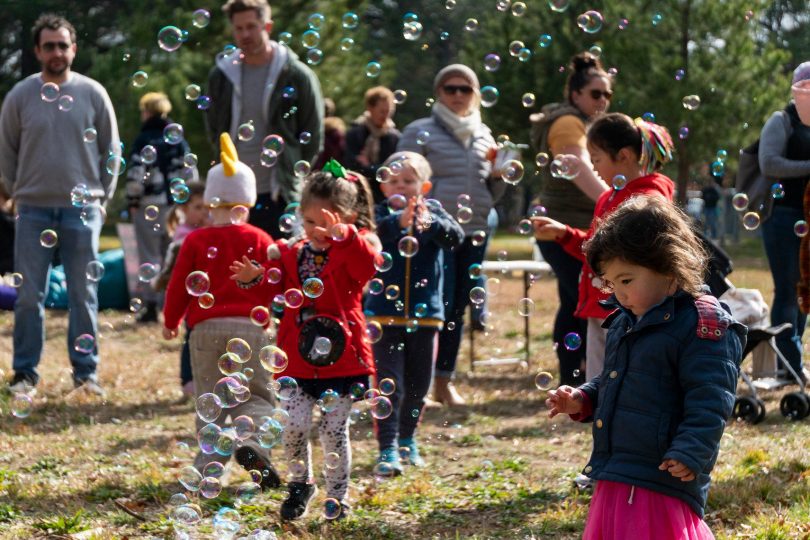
(652, 232)
(347, 195)
(651, 142)
(582, 68)
(195, 189)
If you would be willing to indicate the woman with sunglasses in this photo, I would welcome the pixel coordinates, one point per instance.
(455, 142)
(558, 130)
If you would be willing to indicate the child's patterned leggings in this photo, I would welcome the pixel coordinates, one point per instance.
(333, 431)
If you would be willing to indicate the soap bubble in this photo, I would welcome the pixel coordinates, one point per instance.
(544, 41)
(273, 359)
(65, 103)
(619, 182)
(512, 172)
(310, 39)
(518, 9)
(246, 131)
(392, 292)
(190, 478)
(683, 133)
(312, 287)
(471, 25)
(210, 488)
(464, 215)
(151, 212)
(206, 301)
(373, 69)
(84, 344)
(316, 20)
(21, 405)
(544, 381)
(16, 280)
(197, 283)
(408, 246)
(208, 407)
(777, 190)
(203, 103)
(751, 221)
(542, 159)
(400, 96)
(492, 62)
(383, 261)
(503, 5)
(173, 133)
(90, 135)
(240, 348)
(170, 38)
(590, 22)
(680, 73)
(287, 388)
(572, 341)
(293, 298)
(489, 96)
(49, 92)
(322, 345)
(422, 137)
(260, 315)
(314, 56)
(48, 238)
(800, 228)
(739, 201)
(718, 168)
(463, 200)
(229, 364)
(331, 508)
(691, 102)
(239, 215)
(374, 332)
(200, 18)
(135, 305)
(412, 31)
(656, 19)
(94, 271)
(722, 155)
(139, 79)
(525, 307)
(387, 386)
(350, 20)
(381, 407)
(528, 100)
(479, 238)
(147, 272)
(302, 168)
(562, 168)
(524, 227)
(478, 295)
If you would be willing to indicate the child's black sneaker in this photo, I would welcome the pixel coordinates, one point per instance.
(334, 510)
(248, 458)
(297, 502)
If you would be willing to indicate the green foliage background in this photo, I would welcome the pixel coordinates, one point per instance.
(738, 63)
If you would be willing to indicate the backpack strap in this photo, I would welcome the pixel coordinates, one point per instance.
(712, 319)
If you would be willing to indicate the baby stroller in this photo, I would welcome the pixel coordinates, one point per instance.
(748, 307)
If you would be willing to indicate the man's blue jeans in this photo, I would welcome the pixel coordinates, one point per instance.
(782, 249)
(77, 245)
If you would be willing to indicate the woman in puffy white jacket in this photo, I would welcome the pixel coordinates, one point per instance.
(456, 143)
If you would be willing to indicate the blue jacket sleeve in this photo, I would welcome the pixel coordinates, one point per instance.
(707, 373)
(444, 230)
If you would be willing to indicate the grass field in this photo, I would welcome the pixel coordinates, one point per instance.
(498, 468)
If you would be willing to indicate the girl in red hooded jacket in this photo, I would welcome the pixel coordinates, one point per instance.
(627, 154)
(323, 357)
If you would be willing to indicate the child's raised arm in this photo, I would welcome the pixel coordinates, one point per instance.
(245, 271)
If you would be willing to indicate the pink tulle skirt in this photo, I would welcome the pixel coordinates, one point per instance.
(614, 515)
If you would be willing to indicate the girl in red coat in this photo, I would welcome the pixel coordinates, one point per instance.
(319, 282)
(626, 153)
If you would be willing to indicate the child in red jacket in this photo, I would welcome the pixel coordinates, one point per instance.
(225, 336)
(626, 153)
(324, 357)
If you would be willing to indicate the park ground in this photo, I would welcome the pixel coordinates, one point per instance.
(498, 468)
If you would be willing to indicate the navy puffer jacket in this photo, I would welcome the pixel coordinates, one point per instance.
(666, 392)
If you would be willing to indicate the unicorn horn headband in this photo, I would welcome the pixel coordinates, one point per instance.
(227, 154)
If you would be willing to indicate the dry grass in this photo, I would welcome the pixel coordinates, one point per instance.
(498, 468)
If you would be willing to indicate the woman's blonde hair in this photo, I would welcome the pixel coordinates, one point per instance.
(652, 232)
(156, 104)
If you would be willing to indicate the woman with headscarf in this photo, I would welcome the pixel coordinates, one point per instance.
(456, 142)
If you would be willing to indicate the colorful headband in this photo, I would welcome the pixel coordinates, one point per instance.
(656, 145)
(337, 170)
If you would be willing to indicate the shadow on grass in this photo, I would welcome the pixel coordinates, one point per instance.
(58, 416)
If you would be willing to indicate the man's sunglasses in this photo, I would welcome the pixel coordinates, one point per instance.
(596, 94)
(453, 89)
(50, 46)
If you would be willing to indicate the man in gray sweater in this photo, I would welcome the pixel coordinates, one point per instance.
(59, 156)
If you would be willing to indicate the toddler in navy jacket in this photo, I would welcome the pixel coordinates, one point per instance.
(406, 301)
(672, 358)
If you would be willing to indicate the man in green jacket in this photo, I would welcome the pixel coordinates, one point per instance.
(271, 104)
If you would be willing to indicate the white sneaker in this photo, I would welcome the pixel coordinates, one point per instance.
(23, 385)
(91, 387)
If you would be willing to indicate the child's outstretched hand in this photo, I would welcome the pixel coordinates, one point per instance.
(546, 228)
(334, 229)
(677, 469)
(244, 271)
(406, 217)
(565, 400)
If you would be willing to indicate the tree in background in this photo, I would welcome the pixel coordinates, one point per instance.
(735, 55)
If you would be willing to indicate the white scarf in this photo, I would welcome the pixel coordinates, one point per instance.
(462, 127)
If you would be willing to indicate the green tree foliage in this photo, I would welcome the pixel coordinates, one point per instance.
(736, 54)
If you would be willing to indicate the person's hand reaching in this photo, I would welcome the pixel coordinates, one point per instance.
(564, 400)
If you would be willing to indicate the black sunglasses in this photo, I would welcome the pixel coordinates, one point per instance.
(50, 46)
(453, 89)
(596, 94)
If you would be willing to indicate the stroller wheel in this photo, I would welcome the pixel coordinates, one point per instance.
(748, 410)
(761, 414)
(794, 405)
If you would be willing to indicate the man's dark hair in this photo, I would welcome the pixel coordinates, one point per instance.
(261, 7)
(51, 22)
